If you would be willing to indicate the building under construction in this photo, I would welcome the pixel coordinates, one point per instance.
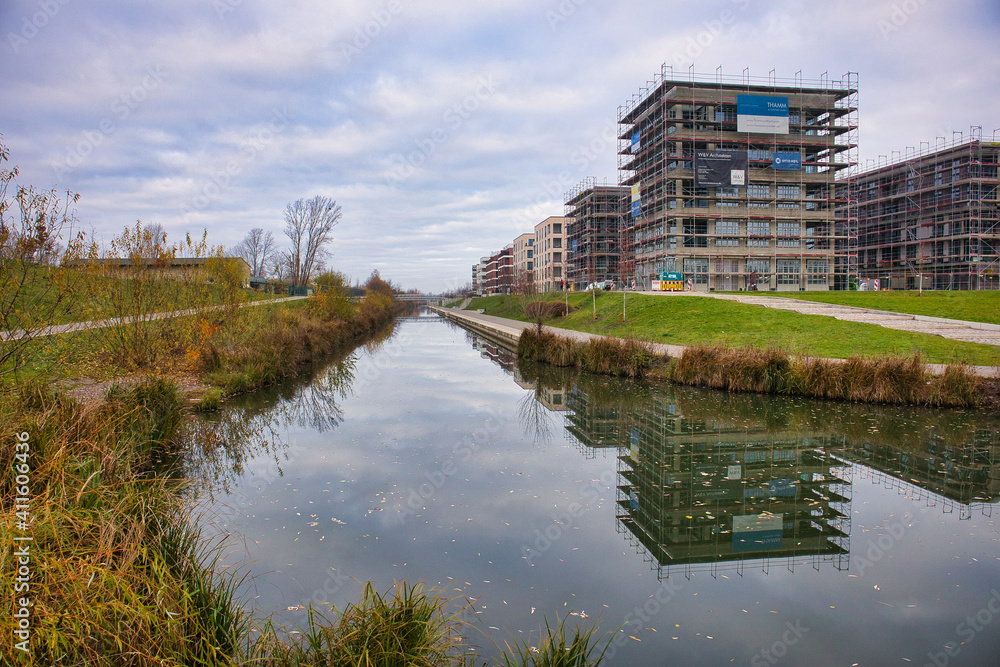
(928, 218)
(594, 232)
(734, 181)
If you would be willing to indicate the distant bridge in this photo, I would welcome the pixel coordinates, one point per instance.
(418, 297)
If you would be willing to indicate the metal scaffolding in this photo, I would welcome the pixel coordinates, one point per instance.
(791, 229)
(928, 217)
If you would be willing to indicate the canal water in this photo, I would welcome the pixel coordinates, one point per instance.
(701, 528)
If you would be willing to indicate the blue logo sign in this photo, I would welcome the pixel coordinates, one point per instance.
(759, 105)
(636, 209)
(790, 161)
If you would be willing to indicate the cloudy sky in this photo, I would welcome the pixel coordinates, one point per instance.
(443, 128)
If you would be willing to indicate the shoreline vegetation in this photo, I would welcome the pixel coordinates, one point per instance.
(118, 572)
(884, 378)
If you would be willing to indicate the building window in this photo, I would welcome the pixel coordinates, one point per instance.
(789, 192)
(727, 228)
(557, 228)
(557, 243)
(788, 271)
(761, 266)
(698, 269)
(759, 191)
(816, 269)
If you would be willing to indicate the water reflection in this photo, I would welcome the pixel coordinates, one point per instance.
(252, 427)
(708, 480)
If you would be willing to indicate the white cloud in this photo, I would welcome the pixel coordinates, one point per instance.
(385, 107)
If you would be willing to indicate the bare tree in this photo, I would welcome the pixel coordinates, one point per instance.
(309, 226)
(258, 249)
(157, 233)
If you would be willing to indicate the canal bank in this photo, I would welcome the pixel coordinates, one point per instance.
(507, 331)
(694, 525)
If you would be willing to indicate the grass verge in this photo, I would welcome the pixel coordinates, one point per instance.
(694, 320)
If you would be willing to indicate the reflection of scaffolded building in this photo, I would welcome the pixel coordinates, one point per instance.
(503, 357)
(939, 470)
(592, 423)
(696, 494)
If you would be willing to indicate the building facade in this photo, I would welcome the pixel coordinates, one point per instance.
(524, 263)
(594, 237)
(550, 254)
(734, 182)
(478, 271)
(929, 219)
(498, 276)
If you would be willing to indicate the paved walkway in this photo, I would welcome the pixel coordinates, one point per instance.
(510, 330)
(55, 329)
(968, 332)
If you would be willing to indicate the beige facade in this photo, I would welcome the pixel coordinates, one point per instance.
(550, 253)
(524, 263)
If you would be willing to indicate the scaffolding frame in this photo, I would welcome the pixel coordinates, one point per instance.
(928, 216)
(593, 248)
(677, 228)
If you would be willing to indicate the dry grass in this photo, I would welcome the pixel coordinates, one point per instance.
(888, 380)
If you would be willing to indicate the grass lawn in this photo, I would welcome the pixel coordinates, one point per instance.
(981, 306)
(690, 320)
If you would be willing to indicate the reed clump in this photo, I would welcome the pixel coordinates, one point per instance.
(558, 648)
(607, 356)
(887, 380)
(286, 341)
(408, 625)
(118, 575)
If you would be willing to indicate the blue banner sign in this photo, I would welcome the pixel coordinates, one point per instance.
(636, 209)
(789, 161)
(760, 113)
(636, 142)
(757, 532)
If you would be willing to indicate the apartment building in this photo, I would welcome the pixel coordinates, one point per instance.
(498, 276)
(594, 236)
(734, 181)
(928, 219)
(524, 263)
(550, 254)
